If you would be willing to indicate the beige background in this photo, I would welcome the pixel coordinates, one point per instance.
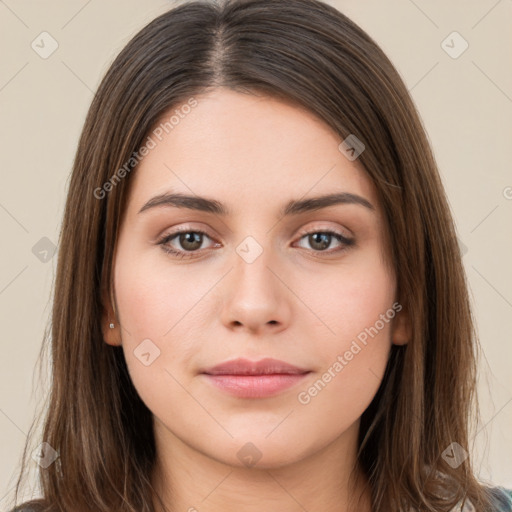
(465, 102)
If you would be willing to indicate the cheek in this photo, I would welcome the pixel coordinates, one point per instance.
(153, 295)
(163, 312)
(350, 299)
(352, 343)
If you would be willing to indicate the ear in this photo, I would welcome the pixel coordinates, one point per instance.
(111, 336)
(401, 329)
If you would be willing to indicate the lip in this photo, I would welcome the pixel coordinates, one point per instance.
(254, 379)
(267, 366)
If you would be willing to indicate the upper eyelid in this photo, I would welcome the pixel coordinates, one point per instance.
(301, 231)
(320, 229)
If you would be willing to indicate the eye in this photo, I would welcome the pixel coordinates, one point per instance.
(190, 241)
(321, 240)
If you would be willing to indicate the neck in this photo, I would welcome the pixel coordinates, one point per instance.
(187, 480)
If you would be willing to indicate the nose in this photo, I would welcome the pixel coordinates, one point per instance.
(256, 297)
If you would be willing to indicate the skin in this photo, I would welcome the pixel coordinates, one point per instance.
(295, 302)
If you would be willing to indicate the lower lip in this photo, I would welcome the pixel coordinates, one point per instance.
(255, 386)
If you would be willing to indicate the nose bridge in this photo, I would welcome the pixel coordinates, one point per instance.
(256, 297)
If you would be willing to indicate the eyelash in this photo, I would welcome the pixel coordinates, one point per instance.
(347, 242)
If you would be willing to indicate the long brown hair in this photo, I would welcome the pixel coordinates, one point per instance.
(309, 53)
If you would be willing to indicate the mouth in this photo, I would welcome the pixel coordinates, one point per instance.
(247, 379)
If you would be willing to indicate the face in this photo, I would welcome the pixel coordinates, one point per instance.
(198, 287)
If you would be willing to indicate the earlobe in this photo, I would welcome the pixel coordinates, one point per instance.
(111, 331)
(110, 327)
(401, 331)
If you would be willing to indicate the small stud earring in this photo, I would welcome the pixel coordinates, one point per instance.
(111, 326)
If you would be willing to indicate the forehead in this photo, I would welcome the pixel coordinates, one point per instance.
(246, 151)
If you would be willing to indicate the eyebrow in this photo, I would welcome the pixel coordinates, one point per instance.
(293, 207)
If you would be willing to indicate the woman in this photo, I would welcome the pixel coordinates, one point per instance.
(258, 282)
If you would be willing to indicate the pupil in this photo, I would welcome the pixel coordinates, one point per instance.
(194, 239)
(324, 243)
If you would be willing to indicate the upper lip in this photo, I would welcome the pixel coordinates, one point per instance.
(267, 366)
